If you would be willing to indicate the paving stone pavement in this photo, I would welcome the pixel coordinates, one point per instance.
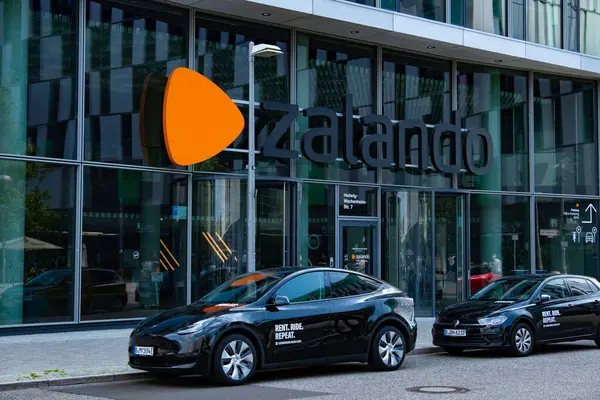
(70, 354)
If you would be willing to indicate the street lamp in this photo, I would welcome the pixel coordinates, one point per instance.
(261, 50)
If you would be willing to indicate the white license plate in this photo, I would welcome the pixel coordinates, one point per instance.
(455, 332)
(143, 351)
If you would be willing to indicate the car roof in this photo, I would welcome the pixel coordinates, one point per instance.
(285, 271)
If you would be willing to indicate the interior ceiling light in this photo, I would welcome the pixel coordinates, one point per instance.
(498, 61)
(266, 14)
(354, 31)
(431, 47)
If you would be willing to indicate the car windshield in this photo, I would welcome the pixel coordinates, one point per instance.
(49, 278)
(508, 290)
(244, 289)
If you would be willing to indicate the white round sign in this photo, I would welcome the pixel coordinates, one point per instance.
(136, 255)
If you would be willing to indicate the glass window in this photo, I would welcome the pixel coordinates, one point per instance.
(517, 19)
(135, 225)
(130, 51)
(481, 15)
(500, 242)
(345, 285)
(556, 289)
(567, 236)
(430, 9)
(579, 287)
(589, 21)
(37, 239)
(244, 289)
(327, 72)
(416, 88)
(496, 100)
(365, 2)
(572, 29)
(508, 290)
(306, 287)
(316, 226)
(406, 246)
(544, 22)
(218, 232)
(222, 56)
(38, 78)
(566, 141)
(272, 221)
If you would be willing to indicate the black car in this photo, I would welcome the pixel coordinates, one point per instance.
(520, 312)
(279, 318)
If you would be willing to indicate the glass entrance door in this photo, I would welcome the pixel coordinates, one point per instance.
(272, 224)
(449, 249)
(358, 246)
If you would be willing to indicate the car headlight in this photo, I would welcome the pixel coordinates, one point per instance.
(493, 321)
(197, 326)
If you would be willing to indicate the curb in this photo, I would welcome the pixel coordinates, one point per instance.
(426, 350)
(127, 376)
(76, 380)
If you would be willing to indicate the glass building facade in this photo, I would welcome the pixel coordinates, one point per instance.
(97, 223)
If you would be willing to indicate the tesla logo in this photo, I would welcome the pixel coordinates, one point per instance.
(456, 323)
(194, 104)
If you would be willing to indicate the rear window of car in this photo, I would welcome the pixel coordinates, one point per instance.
(345, 284)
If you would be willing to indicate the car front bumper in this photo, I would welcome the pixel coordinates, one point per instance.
(179, 354)
(478, 336)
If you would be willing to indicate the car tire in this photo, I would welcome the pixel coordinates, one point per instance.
(598, 338)
(388, 349)
(234, 361)
(522, 340)
(454, 350)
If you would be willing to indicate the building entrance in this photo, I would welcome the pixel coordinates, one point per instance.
(358, 245)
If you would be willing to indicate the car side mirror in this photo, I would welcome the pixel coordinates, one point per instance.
(545, 298)
(278, 301)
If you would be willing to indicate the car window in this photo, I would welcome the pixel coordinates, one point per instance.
(306, 287)
(580, 287)
(344, 284)
(556, 289)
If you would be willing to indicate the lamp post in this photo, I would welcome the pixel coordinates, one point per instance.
(261, 50)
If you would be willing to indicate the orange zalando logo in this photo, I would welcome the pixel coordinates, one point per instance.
(199, 119)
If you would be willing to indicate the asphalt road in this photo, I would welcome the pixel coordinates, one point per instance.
(563, 372)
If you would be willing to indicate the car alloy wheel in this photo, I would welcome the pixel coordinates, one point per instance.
(388, 350)
(235, 360)
(522, 340)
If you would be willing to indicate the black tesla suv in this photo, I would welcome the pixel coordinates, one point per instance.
(279, 318)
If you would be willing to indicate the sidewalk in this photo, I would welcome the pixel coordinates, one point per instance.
(45, 356)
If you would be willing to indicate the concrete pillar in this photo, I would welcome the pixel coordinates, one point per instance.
(13, 125)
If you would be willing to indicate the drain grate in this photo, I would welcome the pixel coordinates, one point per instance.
(437, 389)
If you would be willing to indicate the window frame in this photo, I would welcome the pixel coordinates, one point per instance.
(543, 286)
(580, 279)
(276, 290)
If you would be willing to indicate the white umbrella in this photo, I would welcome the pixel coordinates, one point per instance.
(27, 243)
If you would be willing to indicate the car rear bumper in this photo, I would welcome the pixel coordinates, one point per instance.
(175, 353)
(478, 337)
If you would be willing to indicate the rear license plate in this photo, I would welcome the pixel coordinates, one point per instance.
(143, 351)
(455, 332)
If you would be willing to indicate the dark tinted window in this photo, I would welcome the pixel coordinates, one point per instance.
(580, 287)
(556, 289)
(344, 284)
(306, 287)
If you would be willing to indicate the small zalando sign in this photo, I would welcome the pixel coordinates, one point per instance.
(394, 138)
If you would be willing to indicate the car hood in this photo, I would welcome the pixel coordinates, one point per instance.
(471, 310)
(179, 318)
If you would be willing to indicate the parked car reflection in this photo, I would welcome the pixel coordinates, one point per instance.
(51, 293)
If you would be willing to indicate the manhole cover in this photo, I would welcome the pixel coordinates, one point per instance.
(437, 389)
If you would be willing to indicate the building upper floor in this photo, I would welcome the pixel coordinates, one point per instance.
(555, 36)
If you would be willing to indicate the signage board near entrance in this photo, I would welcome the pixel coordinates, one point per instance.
(357, 201)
